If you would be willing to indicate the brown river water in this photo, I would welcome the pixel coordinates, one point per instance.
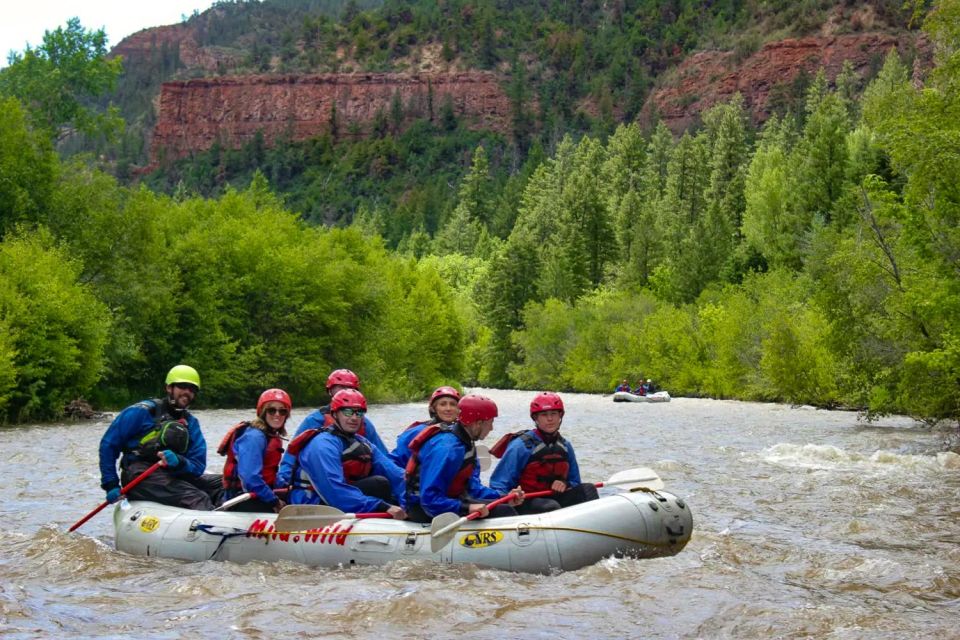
(807, 524)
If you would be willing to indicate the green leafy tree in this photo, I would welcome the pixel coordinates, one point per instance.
(28, 168)
(54, 329)
(57, 80)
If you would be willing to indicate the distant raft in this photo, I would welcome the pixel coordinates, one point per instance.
(626, 396)
(638, 524)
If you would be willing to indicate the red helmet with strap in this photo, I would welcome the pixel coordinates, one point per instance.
(474, 408)
(274, 395)
(546, 401)
(344, 378)
(348, 398)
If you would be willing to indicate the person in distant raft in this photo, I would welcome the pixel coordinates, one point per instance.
(337, 467)
(623, 386)
(540, 460)
(443, 409)
(253, 451)
(161, 429)
(338, 380)
(441, 472)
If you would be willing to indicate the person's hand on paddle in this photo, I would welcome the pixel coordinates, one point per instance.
(558, 486)
(517, 499)
(168, 458)
(397, 513)
(476, 507)
(113, 495)
(279, 504)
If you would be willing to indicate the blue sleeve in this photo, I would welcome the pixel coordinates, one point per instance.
(321, 460)
(401, 454)
(507, 474)
(249, 448)
(383, 465)
(370, 433)
(440, 460)
(288, 461)
(194, 461)
(573, 475)
(123, 432)
(477, 490)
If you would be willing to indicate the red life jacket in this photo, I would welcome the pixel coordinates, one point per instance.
(356, 458)
(458, 486)
(271, 457)
(548, 461)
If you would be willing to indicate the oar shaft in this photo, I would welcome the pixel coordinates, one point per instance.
(123, 492)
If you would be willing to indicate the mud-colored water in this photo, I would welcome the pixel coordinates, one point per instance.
(808, 523)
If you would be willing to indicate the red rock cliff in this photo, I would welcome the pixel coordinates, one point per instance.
(710, 77)
(196, 113)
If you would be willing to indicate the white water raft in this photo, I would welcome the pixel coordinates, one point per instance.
(626, 396)
(640, 524)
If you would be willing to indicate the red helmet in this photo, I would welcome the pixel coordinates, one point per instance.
(274, 395)
(474, 408)
(349, 398)
(440, 392)
(344, 378)
(546, 401)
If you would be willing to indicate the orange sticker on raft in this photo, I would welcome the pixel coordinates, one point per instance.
(149, 524)
(480, 539)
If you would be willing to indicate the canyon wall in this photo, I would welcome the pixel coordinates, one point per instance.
(231, 109)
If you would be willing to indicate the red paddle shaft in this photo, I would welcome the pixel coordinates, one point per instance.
(123, 491)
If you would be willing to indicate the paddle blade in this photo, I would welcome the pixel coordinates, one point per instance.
(443, 528)
(639, 478)
(303, 517)
(483, 457)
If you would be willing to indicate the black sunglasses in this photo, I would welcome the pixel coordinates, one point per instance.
(186, 385)
(275, 410)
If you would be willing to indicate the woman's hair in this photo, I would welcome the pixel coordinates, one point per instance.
(261, 424)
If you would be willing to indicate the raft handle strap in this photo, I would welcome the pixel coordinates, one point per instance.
(210, 529)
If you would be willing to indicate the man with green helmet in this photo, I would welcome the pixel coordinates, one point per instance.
(161, 429)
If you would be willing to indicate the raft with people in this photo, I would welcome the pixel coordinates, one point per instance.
(642, 521)
(627, 396)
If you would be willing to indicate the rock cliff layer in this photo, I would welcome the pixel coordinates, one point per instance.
(710, 77)
(196, 113)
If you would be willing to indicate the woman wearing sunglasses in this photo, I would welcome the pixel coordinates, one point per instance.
(340, 468)
(253, 451)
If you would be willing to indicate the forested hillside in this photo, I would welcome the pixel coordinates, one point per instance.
(812, 260)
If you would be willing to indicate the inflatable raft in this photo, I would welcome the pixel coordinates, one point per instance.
(626, 396)
(639, 523)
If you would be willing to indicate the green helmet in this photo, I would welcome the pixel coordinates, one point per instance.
(183, 373)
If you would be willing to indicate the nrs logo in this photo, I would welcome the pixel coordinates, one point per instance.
(481, 539)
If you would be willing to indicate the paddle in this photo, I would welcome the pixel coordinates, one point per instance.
(243, 497)
(483, 457)
(123, 491)
(444, 527)
(303, 517)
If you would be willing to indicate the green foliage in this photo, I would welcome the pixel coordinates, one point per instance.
(53, 329)
(28, 167)
(57, 79)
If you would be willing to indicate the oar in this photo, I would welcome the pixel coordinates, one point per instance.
(303, 517)
(444, 527)
(243, 497)
(483, 456)
(633, 479)
(123, 491)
